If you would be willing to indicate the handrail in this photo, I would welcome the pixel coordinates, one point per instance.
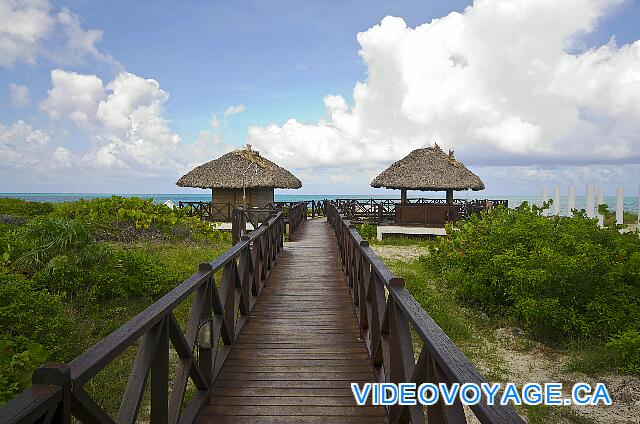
(217, 314)
(224, 211)
(386, 312)
(297, 214)
(378, 210)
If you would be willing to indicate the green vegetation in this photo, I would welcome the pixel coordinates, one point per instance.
(96, 262)
(610, 216)
(370, 232)
(564, 280)
(23, 208)
(574, 289)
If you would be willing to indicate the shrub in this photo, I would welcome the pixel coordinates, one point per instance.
(104, 212)
(16, 367)
(23, 208)
(131, 218)
(559, 278)
(626, 346)
(106, 272)
(368, 231)
(30, 314)
(45, 237)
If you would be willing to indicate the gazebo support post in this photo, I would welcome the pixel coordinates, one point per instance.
(403, 196)
(449, 196)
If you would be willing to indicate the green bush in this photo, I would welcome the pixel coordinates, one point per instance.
(106, 272)
(561, 279)
(131, 218)
(16, 367)
(104, 212)
(47, 237)
(368, 231)
(626, 346)
(23, 208)
(30, 314)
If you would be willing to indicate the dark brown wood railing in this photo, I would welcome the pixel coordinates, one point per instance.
(297, 214)
(208, 210)
(377, 211)
(223, 212)
(388, 314)
(218, 312)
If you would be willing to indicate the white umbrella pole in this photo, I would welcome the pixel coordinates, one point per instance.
(600, 202)
(556, 200)
(589, 205)
(571, 201)
(620, 205)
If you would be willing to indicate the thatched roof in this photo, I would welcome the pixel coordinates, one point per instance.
(227, 172)
(428, 169)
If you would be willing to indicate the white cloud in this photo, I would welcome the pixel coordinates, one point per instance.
(234, 110)
(73, 96)
(30, 29)
(80, 42)
(19, 94)
(22, 147)
(125, 123)
(501, 83)
(23, 25)
(214, 121)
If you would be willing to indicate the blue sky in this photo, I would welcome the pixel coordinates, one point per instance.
(280, 59)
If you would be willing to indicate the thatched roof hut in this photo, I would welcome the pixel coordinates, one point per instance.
(428, 169)
(243, 168)
(228, 171)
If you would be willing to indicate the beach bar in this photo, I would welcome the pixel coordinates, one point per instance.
(425, 169)
(241, 178)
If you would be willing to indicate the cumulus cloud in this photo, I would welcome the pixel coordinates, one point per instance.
(234, 110)
(73, 96)
(23, 25)
(30, 29)
(504, 82)
(19, 95)
(24, 147)
(124, 122)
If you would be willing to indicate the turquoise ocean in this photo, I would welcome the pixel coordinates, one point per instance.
(630, 203)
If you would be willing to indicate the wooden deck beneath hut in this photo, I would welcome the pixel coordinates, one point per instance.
(301, 346)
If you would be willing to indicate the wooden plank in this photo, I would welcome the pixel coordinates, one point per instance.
(340, 411)
(269, 392)
(301, 348)
(291, 419)
(284, 400)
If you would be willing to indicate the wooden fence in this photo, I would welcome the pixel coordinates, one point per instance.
(387, 315)
(380, 211)
(210, 211)
(217, 315)
(223, 212)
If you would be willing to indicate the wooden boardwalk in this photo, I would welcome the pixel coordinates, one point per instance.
(301, 348)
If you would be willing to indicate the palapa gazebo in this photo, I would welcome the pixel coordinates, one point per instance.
(238, 171)
(428, 169)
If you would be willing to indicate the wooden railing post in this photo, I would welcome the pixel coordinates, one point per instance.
(57, 374)
(237, 225)
(390, 318)
(160, 378)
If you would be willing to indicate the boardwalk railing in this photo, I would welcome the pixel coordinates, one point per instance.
(223, 212)
(377, 211)
(387, 313)
(208, 210)
(297, 214)
(218, 312)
